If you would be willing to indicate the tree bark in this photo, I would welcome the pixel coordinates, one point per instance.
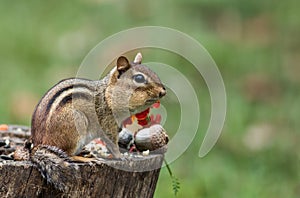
(22, 179)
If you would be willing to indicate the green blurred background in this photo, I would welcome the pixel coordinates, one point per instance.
(254, 43)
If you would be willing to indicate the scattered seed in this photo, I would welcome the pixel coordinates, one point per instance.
(3, 127)
(146, 153)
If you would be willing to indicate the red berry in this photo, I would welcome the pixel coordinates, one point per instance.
(142, 122)
(156, 105)
(143, 115)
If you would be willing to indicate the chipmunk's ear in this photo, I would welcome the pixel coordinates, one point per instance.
(138, 58)
(122, 64)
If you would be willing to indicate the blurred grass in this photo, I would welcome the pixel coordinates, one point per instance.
(254, 43)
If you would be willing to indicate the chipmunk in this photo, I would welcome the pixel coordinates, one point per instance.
(75, 111)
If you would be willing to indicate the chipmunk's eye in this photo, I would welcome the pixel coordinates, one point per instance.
(139, 78)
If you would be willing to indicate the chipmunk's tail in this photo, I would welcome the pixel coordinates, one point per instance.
(55, 166)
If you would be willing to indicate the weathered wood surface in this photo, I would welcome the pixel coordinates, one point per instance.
(22, 179)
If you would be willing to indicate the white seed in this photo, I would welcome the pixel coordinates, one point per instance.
(145, 153)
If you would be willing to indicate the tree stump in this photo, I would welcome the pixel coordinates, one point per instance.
(22, 179)
(135, 177)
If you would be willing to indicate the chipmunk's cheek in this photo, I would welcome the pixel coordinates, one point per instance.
(138, 99)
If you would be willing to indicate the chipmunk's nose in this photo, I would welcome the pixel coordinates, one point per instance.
(162, 92)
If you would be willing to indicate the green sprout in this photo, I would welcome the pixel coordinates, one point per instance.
(175, 181)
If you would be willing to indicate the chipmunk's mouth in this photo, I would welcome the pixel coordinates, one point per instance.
(141, 109)
(147, 104)
(152, 101)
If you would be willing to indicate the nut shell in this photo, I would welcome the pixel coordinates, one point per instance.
(152, 138)
(125, 138)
